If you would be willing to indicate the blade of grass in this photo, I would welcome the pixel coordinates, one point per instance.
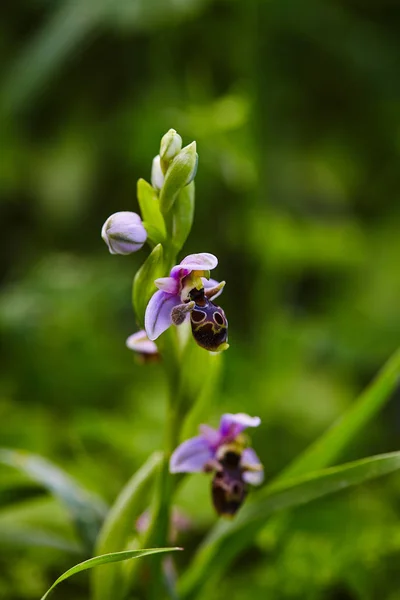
(327, 448)
(86, 509)
(104, 559)
(228, 539)
(118, 527)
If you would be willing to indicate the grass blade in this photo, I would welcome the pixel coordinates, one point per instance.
(105, 559)
(230, 538)
(327, 448)
(86, 509)
(118, 526)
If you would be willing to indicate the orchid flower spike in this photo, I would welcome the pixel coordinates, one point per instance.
(124, 233)
(189, 291)
(223, 451)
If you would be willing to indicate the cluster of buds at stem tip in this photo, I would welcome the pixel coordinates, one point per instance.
(188, 293)
(224, 452)
(174, 166)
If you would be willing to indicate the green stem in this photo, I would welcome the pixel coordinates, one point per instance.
(162, 509)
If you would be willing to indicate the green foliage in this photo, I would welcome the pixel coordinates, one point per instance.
(229, 539)
(86, 510)
(143, 283)
(325, 450)
(150, 211)
(180, 173)
(182, 216)
(118, 528)
(104, 559)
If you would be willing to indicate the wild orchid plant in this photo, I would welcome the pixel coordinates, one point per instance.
(181, 324)
(185, 296)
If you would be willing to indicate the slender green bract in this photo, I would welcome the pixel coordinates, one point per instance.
(150, 208)
(182, 216)
(86, 509)
(230, 538)
(97, 561)
(143, 283)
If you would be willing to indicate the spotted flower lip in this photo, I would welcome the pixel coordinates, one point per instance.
(173, 290)
(194, 455)
(139, 342)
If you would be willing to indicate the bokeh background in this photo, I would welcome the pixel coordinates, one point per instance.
(295, 107)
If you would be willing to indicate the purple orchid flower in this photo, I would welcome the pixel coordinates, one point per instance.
(172, 302)
(200, 453)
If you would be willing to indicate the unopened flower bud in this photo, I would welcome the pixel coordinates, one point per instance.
(124, 233)
(181, 171)
(171, 144)
(157, 176)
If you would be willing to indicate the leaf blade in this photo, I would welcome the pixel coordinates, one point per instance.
(86, 509)
(151, 213)
(117, 525)
(143, 282)
(104, 559)
(328, 446)
(228, 539)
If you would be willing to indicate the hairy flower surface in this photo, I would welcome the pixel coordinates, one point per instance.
(172, 302)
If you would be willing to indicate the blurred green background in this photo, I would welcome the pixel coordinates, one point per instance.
(295, 107)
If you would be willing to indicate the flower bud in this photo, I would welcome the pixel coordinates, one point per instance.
(171, 144)
(157, 176)
(181, 172)
(124, 233)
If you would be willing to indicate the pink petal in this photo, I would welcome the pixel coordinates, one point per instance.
(232, 425)
(202, 261)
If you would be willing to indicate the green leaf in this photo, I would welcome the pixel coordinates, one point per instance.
(118, 528)
(143, 283)
(230, 538)
(151, 213)
(21, 536)
(180, 173)
(105, 559)
(182, 216)
(86, 509)
(328, 447)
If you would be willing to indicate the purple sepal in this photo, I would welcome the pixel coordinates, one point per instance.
(158, 313)
(191, 456)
